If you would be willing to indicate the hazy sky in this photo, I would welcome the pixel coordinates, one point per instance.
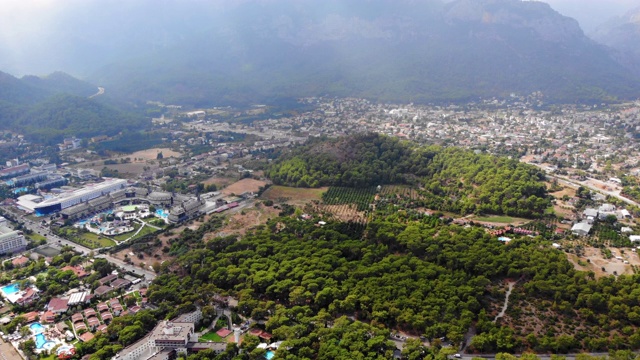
(26, 25)
(591, 13)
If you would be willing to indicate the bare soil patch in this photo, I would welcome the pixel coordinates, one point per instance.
(219, 181)
(242, 222)
(152, 154)
(597, 262)
(244, 185)
(293, 196)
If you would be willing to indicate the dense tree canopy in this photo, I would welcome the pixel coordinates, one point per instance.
(451, 179)
(402, 271)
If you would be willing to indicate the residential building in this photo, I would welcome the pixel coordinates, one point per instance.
(11, 241)
(581, 229)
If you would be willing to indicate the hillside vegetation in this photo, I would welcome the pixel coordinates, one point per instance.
(450, 179)
(47, 109)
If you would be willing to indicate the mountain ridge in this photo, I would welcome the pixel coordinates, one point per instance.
(454, 52)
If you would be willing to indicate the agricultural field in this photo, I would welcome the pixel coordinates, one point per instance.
(399, 192)
(293, 196)
(362, 198)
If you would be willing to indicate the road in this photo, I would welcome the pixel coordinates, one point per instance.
(575, 184)
(540, 356)
(506, 302)
(100, 92)
(57, 242)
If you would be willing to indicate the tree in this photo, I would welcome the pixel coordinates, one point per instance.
(159, 156)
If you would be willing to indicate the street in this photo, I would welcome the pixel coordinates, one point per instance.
(57, 242)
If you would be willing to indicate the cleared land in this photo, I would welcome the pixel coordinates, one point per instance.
(243, 186)
(152, 154)
(243, 221)
(293, 196)
(596, 262)
(219, 181)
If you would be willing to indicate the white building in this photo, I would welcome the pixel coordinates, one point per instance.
(75, 197)
(11, 241)
(581, 229)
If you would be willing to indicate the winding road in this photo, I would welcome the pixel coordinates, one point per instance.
(100, 92)
(506, 301)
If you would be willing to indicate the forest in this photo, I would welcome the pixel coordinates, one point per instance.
(318, 287)
(450, 179)
(47, 109)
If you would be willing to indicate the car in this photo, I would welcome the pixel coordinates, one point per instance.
(457, 356)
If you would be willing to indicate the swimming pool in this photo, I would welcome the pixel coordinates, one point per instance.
(43, 343)
(161, 213)
(37, 328)
(10, 289)
(269, 355)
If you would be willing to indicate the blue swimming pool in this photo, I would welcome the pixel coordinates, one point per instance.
(37, 328)
(269, 355)
(10, 289)
(161, 213)
(43, 343)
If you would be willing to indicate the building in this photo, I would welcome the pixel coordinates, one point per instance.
(58, 306)
(51, 182)
(168, 338)
(634, 238)
(76, 197)
(581, 229)
(590, 215)
(28, 179)
(14, 171)
(11, 241)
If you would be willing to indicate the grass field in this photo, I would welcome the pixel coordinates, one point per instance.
(93, 241)
(212, 336)
(37, 237)
(294, 196)
(497, 219)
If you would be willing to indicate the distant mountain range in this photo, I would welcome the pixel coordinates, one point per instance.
(46, 109)
(623, 34)
(262, 51)
(400, 51)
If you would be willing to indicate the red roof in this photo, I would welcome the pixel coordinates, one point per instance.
(86, 336)
(58, 305)
(20, 261)
(31, 316)
(255, 332)
(76, 270)
(49, 316)
(223, 333)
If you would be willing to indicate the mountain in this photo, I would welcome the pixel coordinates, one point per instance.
(46, 109)
(404, 50)
(622, 34)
